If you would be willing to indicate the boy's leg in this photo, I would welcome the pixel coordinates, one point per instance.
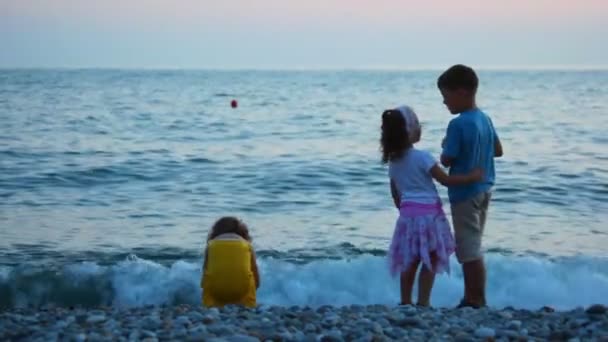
(469, 220)
(485, 204)
(475, 271)
(407, 283)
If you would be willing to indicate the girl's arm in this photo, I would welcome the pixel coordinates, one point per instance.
(447, 180)
(395, 194)
(254, 269)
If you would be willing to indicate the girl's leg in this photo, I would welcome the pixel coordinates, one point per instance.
(425, 282)
(407, 283)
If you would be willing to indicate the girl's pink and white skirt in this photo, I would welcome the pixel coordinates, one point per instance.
(420, 231)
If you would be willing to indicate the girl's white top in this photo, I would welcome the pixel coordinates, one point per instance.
(412, 176)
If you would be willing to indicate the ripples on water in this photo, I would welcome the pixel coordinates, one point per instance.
(113, 161)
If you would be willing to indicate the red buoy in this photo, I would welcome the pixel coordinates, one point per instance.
(234, 104)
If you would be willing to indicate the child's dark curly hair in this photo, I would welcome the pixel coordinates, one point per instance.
(394, 140)
(229, 224)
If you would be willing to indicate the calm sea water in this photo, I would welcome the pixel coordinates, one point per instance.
(110, 180)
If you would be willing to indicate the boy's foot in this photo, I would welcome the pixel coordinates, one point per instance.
(465, 304)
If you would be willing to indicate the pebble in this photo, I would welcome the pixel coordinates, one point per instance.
(96, 318)
(384, 322)
(505, 315)
(219, 329)
(543, 332)
(409, 310)
(241, 338)
(484, 332)
(193, 338)
(508, 333)
(463, 337)
(514, 325)
(195, 316)
(331, 319)
(417, 332)
(299, 336)
(182, 321)
(562, 335)
(148, 333)
(134, 335)
(331, 338)
(310, 328)
(151, 322)
(409, 322)
(597, 309)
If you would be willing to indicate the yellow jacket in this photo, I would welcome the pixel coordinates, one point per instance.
(228, 276)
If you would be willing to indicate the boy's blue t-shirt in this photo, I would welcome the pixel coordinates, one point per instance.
(470, 143)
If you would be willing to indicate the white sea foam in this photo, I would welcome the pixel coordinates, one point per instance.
(522, 282)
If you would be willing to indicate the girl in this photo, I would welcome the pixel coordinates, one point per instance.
(230, 271)
(422, 232)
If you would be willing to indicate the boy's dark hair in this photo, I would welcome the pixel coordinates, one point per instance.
(394, 140)
(458, 77)
(227, 225)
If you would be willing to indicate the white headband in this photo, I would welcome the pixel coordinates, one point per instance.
(411, 121)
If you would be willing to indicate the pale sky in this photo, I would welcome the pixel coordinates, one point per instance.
(286, 34)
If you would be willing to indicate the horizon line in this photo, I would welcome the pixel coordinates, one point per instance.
(317, 68)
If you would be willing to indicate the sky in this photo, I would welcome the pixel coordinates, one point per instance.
(303, 34)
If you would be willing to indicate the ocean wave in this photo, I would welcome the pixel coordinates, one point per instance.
(528, 282)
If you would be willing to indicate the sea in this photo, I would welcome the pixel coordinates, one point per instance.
(111, 179)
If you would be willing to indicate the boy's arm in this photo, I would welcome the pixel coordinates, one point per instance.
(451, 144)
(449, 180)
(395, 194)
(497, 148)
(498, 152)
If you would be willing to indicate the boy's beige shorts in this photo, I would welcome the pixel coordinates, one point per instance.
(469, 219)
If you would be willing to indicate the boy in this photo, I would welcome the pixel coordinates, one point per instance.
(470, 142)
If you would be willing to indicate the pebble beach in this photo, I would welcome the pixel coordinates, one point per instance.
(326, 323)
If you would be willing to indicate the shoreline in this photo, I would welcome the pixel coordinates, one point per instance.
(326, 323)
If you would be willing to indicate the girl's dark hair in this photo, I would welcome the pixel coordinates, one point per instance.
(394, 140)
(227, 225)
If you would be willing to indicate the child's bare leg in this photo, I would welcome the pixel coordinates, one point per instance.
(407, 283)
(425, 282)
(475, 276)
